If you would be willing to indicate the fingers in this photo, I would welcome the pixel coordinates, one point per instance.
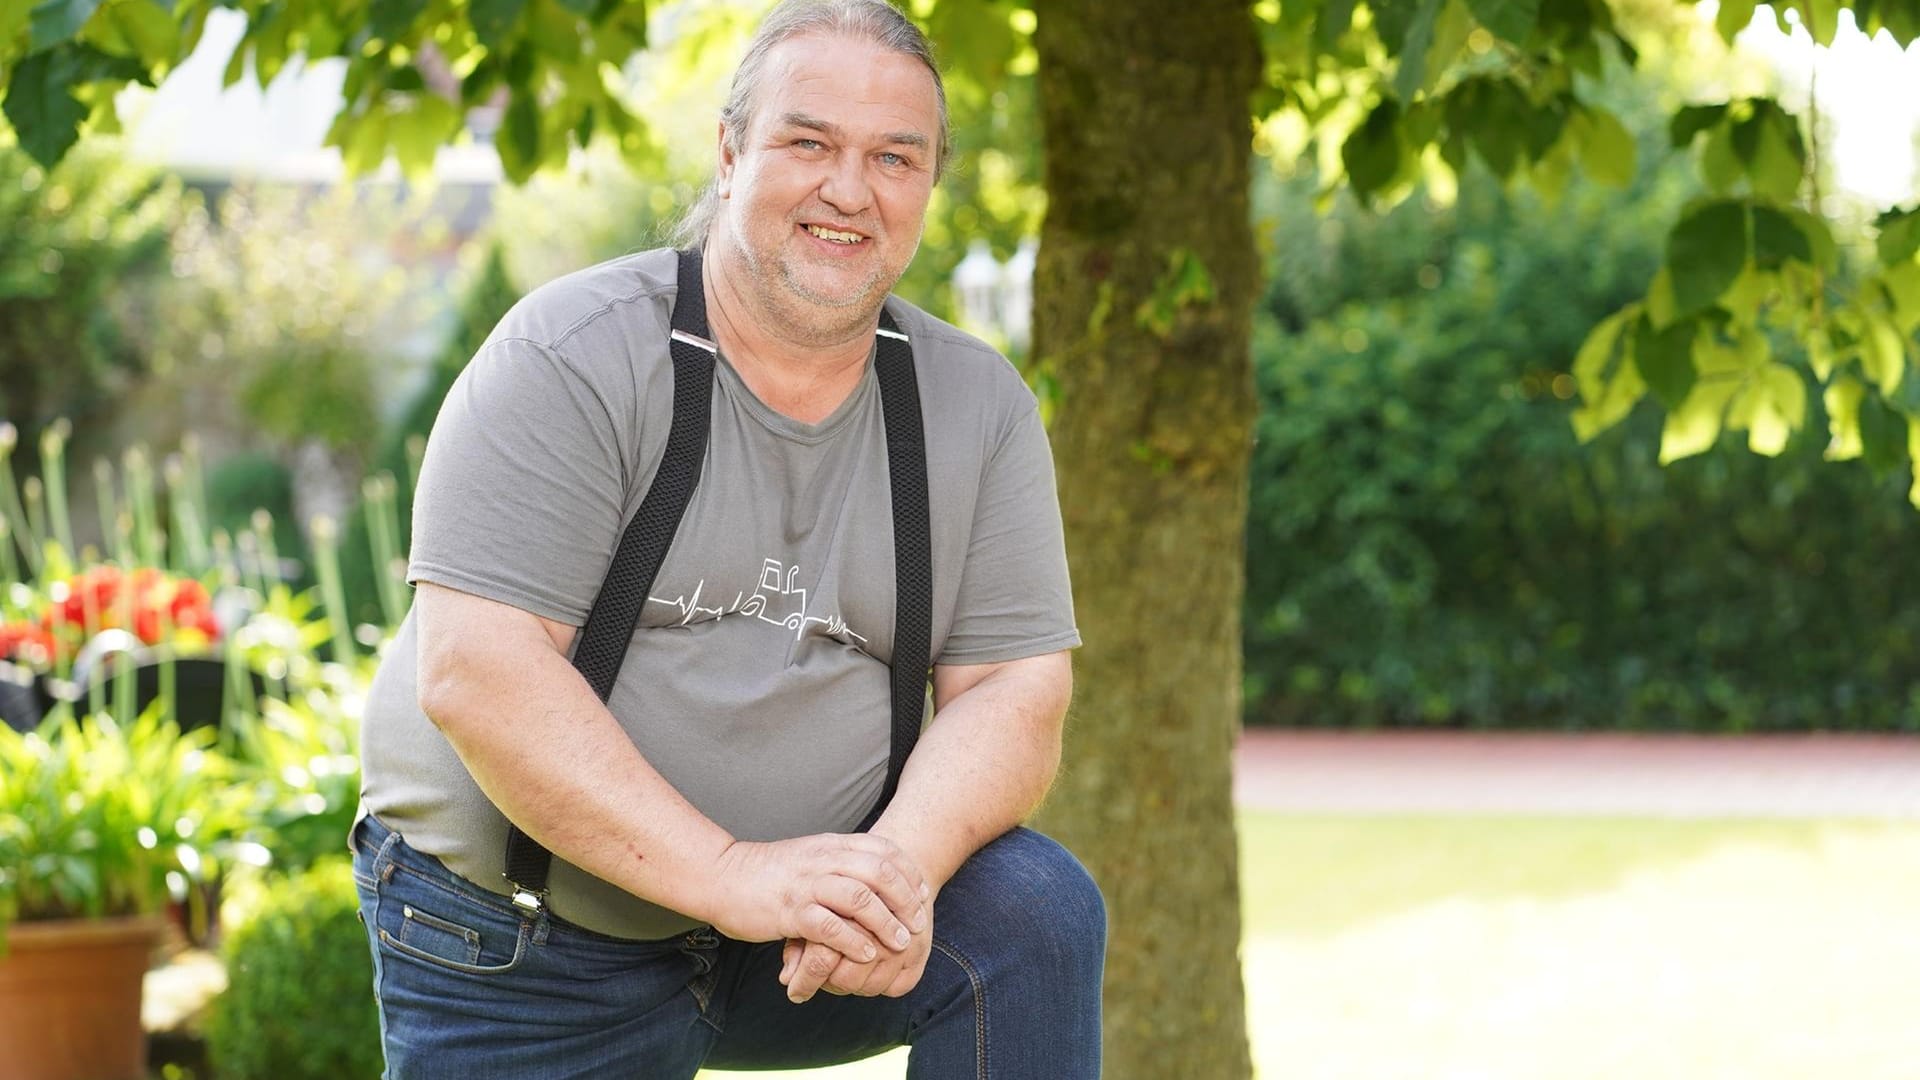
(811, 969)
(789, 955)
(822, 925)
(881, 867)
(858, 903)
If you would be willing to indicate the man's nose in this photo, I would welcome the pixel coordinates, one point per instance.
(845, 187)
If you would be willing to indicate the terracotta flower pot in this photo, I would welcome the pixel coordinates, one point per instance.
(70, 998)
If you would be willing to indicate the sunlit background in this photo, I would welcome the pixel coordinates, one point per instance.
(256, 344)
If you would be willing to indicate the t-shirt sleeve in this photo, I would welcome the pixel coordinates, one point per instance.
(522, 488)
(1015, 599)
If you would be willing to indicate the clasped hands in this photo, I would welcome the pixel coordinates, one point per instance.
(855, 912)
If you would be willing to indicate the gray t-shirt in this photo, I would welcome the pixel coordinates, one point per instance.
(758, 684)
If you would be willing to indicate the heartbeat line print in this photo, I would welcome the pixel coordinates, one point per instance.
(778, 600)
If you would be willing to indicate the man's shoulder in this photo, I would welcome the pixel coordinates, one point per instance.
(623, 301)
(956, 366)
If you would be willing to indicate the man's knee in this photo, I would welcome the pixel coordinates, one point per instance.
(1044, 902)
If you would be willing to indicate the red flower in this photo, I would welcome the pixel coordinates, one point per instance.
(151, 603)
(27, 642)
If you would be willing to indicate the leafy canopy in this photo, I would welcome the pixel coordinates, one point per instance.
(1751, 312)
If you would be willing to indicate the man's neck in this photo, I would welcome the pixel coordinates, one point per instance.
(803, 378)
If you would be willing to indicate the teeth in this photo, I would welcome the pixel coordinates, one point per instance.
(836, 237)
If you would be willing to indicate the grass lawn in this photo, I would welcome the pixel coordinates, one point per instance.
(1507, 948)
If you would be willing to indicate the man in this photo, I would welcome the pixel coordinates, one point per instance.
(709, 875)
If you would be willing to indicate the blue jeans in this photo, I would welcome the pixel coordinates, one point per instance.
(472, 989)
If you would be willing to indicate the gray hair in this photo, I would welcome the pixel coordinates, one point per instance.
(876, 21)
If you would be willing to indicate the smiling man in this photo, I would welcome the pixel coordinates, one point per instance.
(649, 766)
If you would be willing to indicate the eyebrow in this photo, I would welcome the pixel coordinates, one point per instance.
(814, 123)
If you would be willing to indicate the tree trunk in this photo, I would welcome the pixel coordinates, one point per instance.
(1144, 293)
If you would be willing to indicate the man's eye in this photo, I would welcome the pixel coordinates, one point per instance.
(892, 160)
(807, 144)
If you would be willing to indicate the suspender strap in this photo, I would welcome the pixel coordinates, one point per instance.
(609, 630)
(643, 546)
(912, 549)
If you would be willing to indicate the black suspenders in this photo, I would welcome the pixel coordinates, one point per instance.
(643, 546)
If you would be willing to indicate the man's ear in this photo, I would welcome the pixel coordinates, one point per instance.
(723, 176)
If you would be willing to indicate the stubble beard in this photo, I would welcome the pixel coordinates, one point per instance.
(809, 315)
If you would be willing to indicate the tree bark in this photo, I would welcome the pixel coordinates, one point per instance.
(1148, 143)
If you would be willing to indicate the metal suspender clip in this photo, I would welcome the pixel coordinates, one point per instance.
(526, 899)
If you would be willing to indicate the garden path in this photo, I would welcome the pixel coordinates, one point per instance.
(1693, 776)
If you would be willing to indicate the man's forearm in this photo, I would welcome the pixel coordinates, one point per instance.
(982, 766)
(547, 752)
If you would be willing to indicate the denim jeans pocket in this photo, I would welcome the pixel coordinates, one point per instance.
(424, 921)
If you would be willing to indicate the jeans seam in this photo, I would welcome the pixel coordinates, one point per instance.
(979, 988)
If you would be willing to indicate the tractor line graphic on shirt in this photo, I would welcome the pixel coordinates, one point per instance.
(778, 600)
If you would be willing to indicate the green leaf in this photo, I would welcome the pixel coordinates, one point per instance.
(1660, 305)
(43, 111)
(1902, 285)
(1842, 401)
(1695, 426)
(1883, 435)
(1607, 149)
(1609, 383)
(1770, 407)
(150, 30)
(1512, 20)
(494, 20)
(1820, 356)
(518, 140)
(1719, 165)
(583, 8)
(1691, 120)
(418, 132)
(1913, 453)
(1392, 19)
(1664, 359)
(365, 141)
(391, 18)
(1450, 33)
(1499, 116)
(1822, 19)
(1907, 398)
(1826, 255)
(1769, 145)
(1372, 152)
(1733, 17)
(1706, 252)
(1883, 353)
(1412, 74)
(1335, 18)
(13, 20)
(1899, 235)
(977, 39)
(237, 66)
(55, 21)
(1778, 238)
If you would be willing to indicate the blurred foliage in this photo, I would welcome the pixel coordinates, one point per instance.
(75, 237)
(376, 593)
(102, 819)
(246, 483)
(298, 1004)
(1430, 544)
(287, 298)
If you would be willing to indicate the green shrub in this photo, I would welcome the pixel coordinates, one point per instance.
(299, 999)
(78, 239)
(1428, 543)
